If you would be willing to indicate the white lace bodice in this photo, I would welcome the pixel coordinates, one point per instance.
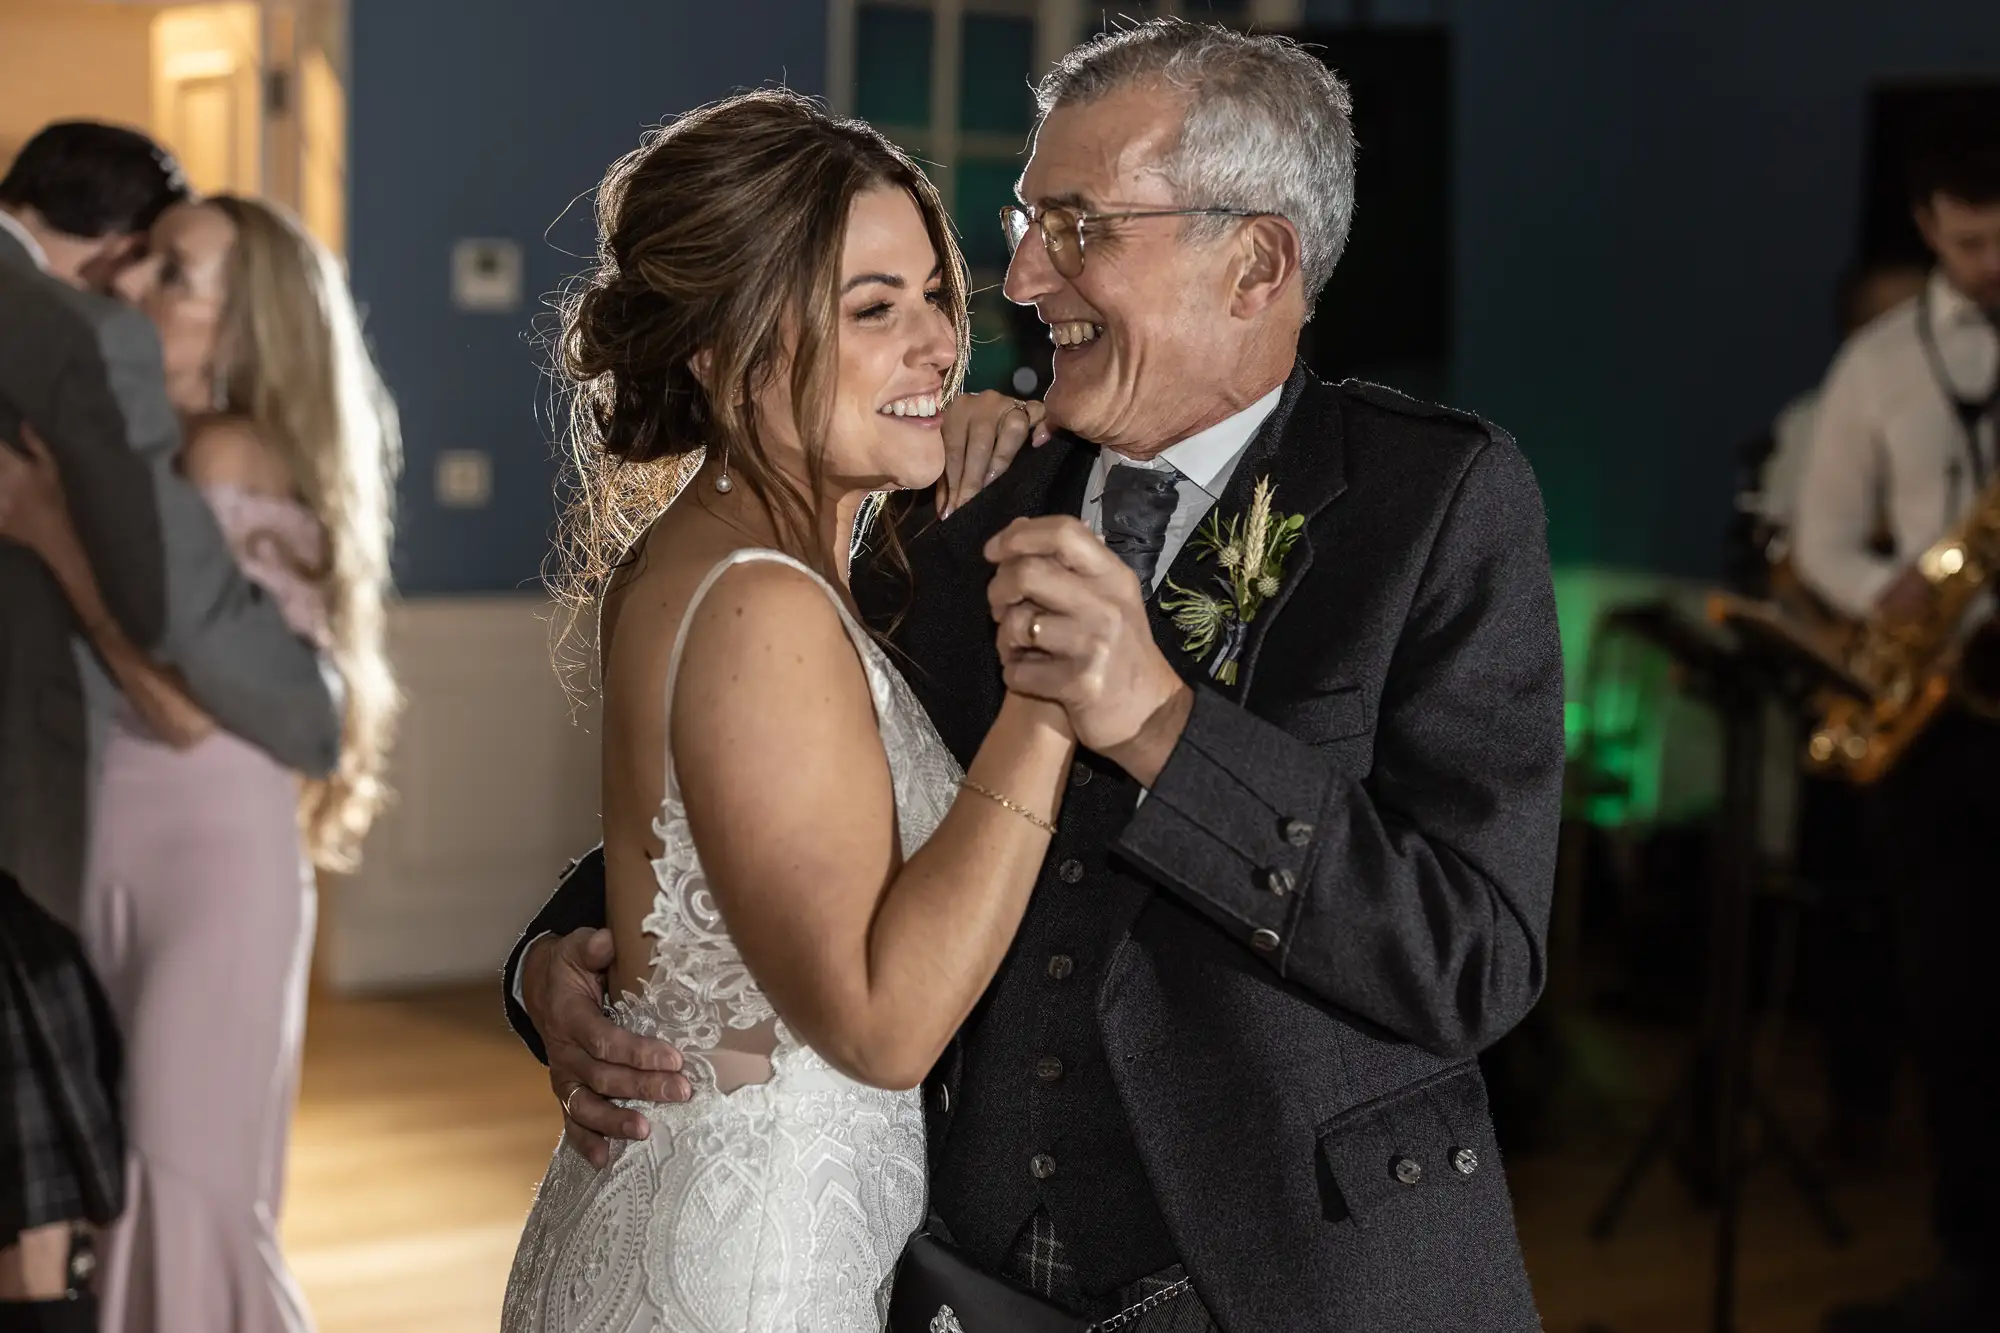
(781, 1205)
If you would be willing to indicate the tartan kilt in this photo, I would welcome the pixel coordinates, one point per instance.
(62, 1142)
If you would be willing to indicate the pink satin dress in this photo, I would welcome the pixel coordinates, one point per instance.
(199, 918)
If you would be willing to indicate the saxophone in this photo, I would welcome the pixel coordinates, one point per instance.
(1910, 668)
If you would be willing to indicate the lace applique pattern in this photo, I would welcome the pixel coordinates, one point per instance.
(699, 983)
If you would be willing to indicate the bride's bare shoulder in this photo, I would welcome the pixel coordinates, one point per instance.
(759, 604)
(755, 601)
(645, 596)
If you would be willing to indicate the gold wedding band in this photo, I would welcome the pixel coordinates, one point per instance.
(574, 1089)
(1035, 632)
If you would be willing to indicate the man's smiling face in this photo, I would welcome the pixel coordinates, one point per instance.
(1144, 340)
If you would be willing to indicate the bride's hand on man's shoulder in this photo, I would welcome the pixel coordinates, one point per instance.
(982, 434)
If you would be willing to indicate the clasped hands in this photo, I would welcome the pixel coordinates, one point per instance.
(1072, 626)
(1072, 629)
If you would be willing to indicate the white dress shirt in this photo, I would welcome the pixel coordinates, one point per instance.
(1889, 446)
(1205, 461)
(14, 227)
(1791, 444)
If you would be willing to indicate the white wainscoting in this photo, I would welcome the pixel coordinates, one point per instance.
(496, 771)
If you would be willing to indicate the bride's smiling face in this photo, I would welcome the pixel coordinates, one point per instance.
(896, 346)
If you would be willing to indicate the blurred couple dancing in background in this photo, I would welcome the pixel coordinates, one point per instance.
(1074, 894)
(196, 463)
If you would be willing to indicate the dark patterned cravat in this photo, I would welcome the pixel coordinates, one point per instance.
(1138, 505)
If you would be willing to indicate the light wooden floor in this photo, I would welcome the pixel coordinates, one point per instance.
(423, 1128)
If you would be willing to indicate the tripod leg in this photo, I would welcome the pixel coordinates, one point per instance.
(1743, 777)
(1729, 1172)
(1809, 1182)
(1649, 1147)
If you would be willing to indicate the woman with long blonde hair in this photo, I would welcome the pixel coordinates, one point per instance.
(200, 905)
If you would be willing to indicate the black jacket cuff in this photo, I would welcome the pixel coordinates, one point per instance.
(1230, 822)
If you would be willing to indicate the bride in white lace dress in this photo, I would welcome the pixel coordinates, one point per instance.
(806, 895)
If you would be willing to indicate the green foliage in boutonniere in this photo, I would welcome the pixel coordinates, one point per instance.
(1251, 551)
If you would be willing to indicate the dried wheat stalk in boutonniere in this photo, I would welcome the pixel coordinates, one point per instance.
(1251, 551)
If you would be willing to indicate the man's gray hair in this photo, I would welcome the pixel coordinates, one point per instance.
(1269, 129)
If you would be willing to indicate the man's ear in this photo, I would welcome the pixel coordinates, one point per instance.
(1925, 216)
(1267, 264)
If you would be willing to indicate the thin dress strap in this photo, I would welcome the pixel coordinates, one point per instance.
(855, 633)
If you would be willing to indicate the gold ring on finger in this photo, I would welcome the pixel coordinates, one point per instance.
(569, 1097)
(1035, 632)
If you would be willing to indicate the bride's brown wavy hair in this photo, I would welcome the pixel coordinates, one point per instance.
(720, 234)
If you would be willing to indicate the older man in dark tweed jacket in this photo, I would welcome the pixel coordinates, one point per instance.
(1303, 870)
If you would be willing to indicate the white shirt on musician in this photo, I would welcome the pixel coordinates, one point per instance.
(1890, 449)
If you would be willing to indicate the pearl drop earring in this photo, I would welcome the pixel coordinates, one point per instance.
(723, 485)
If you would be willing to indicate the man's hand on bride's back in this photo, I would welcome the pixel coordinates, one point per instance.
(591, 1059)
(982, 433)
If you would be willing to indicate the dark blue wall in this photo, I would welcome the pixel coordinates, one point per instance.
(487, 120)
(1655, 201)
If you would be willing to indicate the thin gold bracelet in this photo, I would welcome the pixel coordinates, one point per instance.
(1006, 804)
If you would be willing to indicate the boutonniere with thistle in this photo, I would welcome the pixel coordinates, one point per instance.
(1251, 550)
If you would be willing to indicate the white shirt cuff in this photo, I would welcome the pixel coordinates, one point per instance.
(515, 990)
(1856, 587)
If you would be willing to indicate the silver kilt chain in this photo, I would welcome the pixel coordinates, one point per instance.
(1147, 1306)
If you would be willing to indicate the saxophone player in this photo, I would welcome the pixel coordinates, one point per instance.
(1906, 436)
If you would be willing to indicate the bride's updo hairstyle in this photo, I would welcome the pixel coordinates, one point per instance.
(720, 237)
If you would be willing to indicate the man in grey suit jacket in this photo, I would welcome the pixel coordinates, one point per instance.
(85, 372)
